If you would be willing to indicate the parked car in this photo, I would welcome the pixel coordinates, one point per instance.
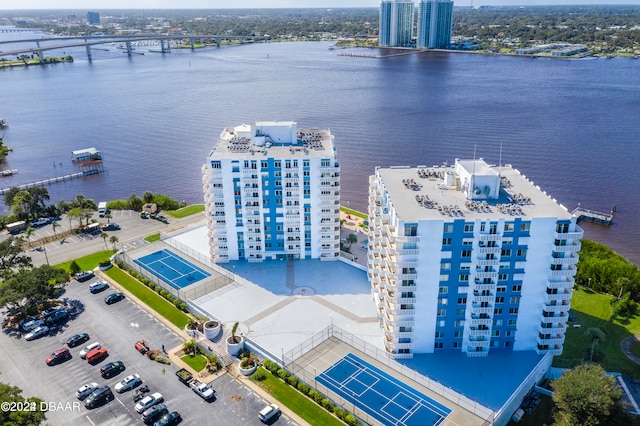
(89, 348)
(148, 401)
(37, 333)
(128, 383)
(84, 276)
(56, 317)
(170, 419)
(77, 340)
(86, 390)
(111, 227)
(113, 298)
(269, 412)
(30, 323)
(153, 413)
(99, 396)
(111, 369)
(99, 286)
(51, 311)
(39, 222)
(96, 355)
(58, 356)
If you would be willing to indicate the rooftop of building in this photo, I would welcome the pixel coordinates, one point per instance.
(437, 192)
(276, 139)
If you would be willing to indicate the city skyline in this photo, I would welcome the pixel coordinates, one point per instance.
(204, 4)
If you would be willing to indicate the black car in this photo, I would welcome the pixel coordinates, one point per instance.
(77, 340)
(111, 369)
(47, 313)
(173, 418)
(56, 317)
(113, 298)
(99, 396)
(84, 276)
(111, 227)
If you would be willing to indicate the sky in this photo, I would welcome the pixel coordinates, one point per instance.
(233, 4)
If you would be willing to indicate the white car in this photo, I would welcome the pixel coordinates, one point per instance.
(32, 323)
(148, 401)
(269, 412)
(37, 332)
(128, 383)
(89, 348)
(86, 390)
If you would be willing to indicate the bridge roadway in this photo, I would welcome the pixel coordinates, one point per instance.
(89, 41)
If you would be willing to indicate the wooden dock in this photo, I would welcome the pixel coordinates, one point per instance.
(594, 216)
(54, 180)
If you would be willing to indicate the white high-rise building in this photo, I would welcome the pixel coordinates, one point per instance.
(471, 258)
(435, 20)
(396, 23)
(272, 191)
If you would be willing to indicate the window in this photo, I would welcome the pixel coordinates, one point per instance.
(495, 333)
(443, 290)
(443, 301)
(497, 311)
(500, 299)
(503, 277)
(460, 312)
(509, 333)
(448, 227)
(497, 323)
(524, 226)
(516, 288)
(501, 289)
(511, 322)
(514, 300)
(442, 312)
(439, 334)
(410, 230)
(458, 334)
(464, 277)
(513, 310)
(458, 323)
(305, 163)
(507, 344)
(462, 300)
(446, 241)
(468, 227)
(441, 323)
(216, 165)
(521, 253)
(444, 277)
(466, 253)
(505, 252)
(445, 266)
(456, 345)
(438, 345)
(508, 227)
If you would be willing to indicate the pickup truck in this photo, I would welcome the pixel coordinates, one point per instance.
(199, 387)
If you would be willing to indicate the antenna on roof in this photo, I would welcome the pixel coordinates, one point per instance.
(500, 162)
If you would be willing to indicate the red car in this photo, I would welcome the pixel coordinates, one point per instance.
(60, 355)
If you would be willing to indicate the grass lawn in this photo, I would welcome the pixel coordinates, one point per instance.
(149, 297)
(594, 310)
(297, 402)
(197, 362)
(186, 211)
(355, 213)
(88, 262)
(152, 238)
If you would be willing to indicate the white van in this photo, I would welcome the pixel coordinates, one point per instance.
(102, 208)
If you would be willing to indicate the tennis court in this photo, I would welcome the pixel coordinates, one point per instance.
(172, 269)
(380, 395)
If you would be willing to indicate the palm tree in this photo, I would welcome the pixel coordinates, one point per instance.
(596, 335)
(108, 216)
(352, 238)
(28, 232)
(189, 346)
(104, 236)
(55, 225)
(113, 240)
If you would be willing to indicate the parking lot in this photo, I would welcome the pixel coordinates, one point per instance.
(117, 327)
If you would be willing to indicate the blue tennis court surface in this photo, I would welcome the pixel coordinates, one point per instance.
(172, 269)
(380, 395)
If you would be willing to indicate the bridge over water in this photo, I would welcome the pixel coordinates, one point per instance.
(44, 44)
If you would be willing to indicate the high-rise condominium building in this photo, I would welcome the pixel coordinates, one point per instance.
(272, 191)
(471, 258)
(435, 19)
(93, 18)
(396, 23)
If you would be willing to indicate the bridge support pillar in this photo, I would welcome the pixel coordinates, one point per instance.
(217, 43)
(88, 52)
(40, 55)
(162, 46)
(192, 43)
(128, 48)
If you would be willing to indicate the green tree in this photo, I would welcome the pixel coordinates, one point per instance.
(12, 256)
(104, 237)
(74, 268)
(108, 217)
(28, 288)
(135, 203)
(11, 394)
(190, 347)
(54, 226)
(351, 239)
(113, 240)
(596, 335)
(29, 232)
(586, 396)
(147, 197)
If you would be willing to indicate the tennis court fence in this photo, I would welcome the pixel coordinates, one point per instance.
(332, 331)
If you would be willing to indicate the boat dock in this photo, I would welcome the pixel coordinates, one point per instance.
(594, 216)
(54, 180)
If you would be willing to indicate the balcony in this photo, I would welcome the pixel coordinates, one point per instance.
(569, 272)
(560, 307)
(484, 287)
(483, 275)
(478, 309)
(488, 250)
(570, 248)
(477, 321)
(561, 296)
(570, 260)
(570, 236)
(551, 342)
(490, 237)
(561, 318)
(564, 284)
(479, 298)
(487, 262)
(478, 333)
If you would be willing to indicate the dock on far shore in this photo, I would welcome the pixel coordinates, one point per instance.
(585, 214)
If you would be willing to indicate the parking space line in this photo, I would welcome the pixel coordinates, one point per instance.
(90, 421)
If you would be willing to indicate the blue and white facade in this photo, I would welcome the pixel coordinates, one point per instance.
(435, 20)
(396, 23)
(272, 191)
(471, 258)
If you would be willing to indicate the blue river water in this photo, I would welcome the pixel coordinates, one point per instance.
(571, 126)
